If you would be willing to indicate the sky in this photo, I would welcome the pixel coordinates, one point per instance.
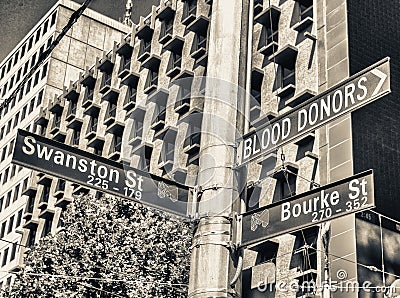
(17, 17)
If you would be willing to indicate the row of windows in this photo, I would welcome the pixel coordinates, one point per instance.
(31, 83)
(12, 251)
(34, 38)
(13, 194)
(10, 171)
(6, 229)
(21, 115)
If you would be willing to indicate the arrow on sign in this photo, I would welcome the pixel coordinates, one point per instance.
(382, 77)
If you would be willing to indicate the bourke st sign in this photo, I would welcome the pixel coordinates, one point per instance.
(93, 171)
(350, 195)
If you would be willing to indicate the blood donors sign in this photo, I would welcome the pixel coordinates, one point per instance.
(343, 197)
(353, 93)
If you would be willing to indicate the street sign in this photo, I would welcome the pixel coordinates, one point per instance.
(353, 93)
(340, 198)
(92, 171)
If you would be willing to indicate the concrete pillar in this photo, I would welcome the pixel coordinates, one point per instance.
(211, 260)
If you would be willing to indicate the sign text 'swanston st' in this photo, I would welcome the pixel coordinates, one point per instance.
(69, 163)
(352, 94)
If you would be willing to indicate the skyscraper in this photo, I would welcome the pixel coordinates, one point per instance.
(78, 49)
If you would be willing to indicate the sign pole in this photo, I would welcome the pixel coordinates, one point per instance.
(212, 264)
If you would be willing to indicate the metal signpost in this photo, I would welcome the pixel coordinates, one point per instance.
(69, 163)
(340, 198)
(353, 93)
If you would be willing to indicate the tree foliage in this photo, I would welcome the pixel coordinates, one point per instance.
(109, 247)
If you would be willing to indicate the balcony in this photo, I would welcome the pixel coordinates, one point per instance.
(105, 82)
(111, 95)
(159, 121)
(111, 114)
(56, 124)
(300, 98)
(132, 79)
(57, 105)
(72, 108)
(125, 67)
(189, 12)
(79, 189)
(88, 79)
(88, 97)
(182, 106)
(43, 117)
(130, 99)
(92, 128)
(191, 144)
(199, 25)
(60, 189)
(63, 202)
(72, 93)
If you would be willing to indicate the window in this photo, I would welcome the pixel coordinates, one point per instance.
(31, 105)
(94, 120)
(47, 226)
(12, 173)
(8, 200)
(4, 261)
(75, 137)
(19, 73)
(167, 152)
(45, 26)
(23, 48)
(125, 63)
(53, 19)
(152, 81)
(44, 71)
(160, 112)
(13, 251)
(26, 66)
(255, 102)
(306, 9)
(45, 194)
(39, 98)
(117, 143)
(144, 49)
(4, 89)
(3, 153)
(30, 42)
(5, 178)
(11, 224)
(24, 110)
(37, 35)
(73, 104)
(41, 50)
(31, 237)
(189, 11)
(3, 229)
(286, 76)
(16, 192)
(33, 60)
(16, 119)
(36, 80)
(88, 97)
(1, 203)
(28, 86)
(167, 28)
(19, 218)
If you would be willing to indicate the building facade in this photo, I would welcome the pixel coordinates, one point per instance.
(21, 190)
(130, 106)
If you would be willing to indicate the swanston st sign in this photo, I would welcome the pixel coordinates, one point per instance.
(69, 163)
